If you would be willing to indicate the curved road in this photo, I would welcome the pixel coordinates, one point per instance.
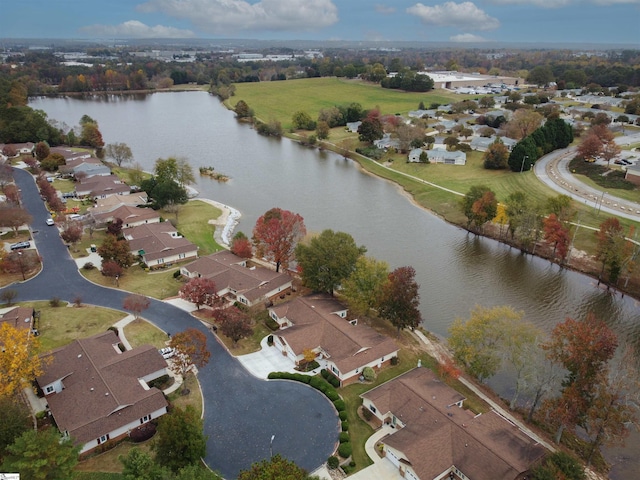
(553, 170)
(241, 412)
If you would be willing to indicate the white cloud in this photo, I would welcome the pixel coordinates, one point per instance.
(467, 37)
(537, 3)
(384, 9)
(231, 16)
(136, 29)
(465, 16)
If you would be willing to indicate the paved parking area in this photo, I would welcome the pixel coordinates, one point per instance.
(268, 359)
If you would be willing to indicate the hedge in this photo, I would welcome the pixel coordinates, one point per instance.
(344, 450)
(344, 437)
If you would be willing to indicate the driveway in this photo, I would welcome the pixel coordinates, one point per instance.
(241, 412)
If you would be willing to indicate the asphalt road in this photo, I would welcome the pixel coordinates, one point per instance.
(241, 412)
(553, 170)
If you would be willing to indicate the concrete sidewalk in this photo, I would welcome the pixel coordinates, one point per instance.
(382, 469)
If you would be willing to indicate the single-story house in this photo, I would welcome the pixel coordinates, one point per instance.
(436, 438)
(633, 174)
(20, 318)
(481, 144)
(353, 126)
(86, 167)
(439, 155)
(104, 205)
(130, 216)
(101, 187)
(386, 142)
(233, 278)
(96, 392)
(320, 323)
(159, 244)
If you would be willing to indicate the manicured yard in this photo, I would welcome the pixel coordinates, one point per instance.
(59, 326)
(140, 332)
(158, 284)
(193, 223)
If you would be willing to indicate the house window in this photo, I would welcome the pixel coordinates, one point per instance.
(372, 408)
(335, 370)
(160, 261)
(103, 439)
(182, 255)
(145, 419)
(49, 389)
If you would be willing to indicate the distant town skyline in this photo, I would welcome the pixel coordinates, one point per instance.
(599, 22)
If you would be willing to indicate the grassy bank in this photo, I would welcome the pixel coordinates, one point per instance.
(193, 223)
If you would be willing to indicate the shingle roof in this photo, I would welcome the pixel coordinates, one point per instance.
(128, 214)
(315, 324)
(484, 447)
(226, 270)
(157, 240)
(101, 387)
(18, 317)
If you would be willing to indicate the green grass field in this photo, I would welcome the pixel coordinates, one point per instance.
(193, 223)
(280, 100)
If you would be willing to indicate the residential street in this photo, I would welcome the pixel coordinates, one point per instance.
(241, 412)
(553, 170)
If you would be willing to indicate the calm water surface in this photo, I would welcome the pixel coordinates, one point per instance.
(455, 270)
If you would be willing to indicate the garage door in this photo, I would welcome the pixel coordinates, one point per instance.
(392, 458)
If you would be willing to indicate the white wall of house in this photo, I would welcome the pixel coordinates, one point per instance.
(377, 363)
(154, 375)
(122, 430)
(169, 258)
(53, 387)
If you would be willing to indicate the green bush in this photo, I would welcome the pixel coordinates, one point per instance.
(394, 360)
(270, 340)
(343, 415)
(176, 274)
(271, 324)
(344, 450)
(345, 426)
(344, 437)
(332, 395)
(334, 381)
(339, 404)
(55, 302)
(333, 462)
(369, 374)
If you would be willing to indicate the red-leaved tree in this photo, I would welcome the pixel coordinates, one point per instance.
(234, 323)
(136, 303)
(556, 234)
(277, 234)
(400, 299)
(242, 247)
(201, 291)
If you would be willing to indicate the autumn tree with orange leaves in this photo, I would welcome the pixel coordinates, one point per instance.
(557, 234)
(583, 348)
(191, 351)
(479, 205)
(19, 361)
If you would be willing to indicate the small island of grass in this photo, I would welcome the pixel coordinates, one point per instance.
(210, 172)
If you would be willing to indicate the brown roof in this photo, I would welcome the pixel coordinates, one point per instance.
(226, 270)
(128, 215)
(101, 387)
(18, 317)
(483, 447)
(102, 185)
(158, 240)
(316, 324)
(104, 205)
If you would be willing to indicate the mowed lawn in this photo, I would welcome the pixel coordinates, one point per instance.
(193, 224)
(280, 100)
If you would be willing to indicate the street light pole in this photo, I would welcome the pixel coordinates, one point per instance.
(21, 265)
(522, 166)
(601, 200)
(271, 446)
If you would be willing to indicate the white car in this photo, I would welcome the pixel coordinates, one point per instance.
(50, 221)
(167, 352)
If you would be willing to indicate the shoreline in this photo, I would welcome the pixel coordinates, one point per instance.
(228, 220)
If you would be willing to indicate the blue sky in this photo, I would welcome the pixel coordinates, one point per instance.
(544, 21)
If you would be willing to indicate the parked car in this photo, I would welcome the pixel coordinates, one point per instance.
(50, 221)
(20, 245)
(167, 352)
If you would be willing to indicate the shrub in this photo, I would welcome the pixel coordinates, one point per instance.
(339, 404)
(270, 340)
(394, 360)
(41, 414)
(88, 266)
(344, 450)
(271, 324)
(343, 415)
(55, 302)
(113, 329)
(369, 374)
(366, 413)
(176, 274)
(143, 432)
(160, 381)
(352, 464)
(345, 426)
(344, 437)
(335, 381)
(333, 462)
